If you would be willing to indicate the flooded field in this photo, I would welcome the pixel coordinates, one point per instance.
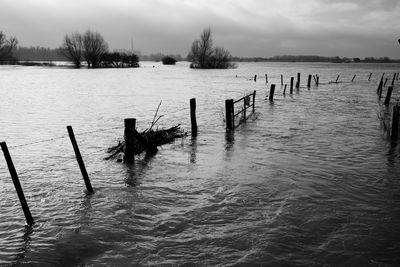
(309, 180)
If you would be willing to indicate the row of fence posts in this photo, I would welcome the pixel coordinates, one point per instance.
(130, 132)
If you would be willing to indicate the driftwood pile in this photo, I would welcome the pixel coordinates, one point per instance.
(148, 140)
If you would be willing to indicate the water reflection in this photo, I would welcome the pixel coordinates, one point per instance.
(193, 149)
(229, 143)
(136, 169)
(26, 243)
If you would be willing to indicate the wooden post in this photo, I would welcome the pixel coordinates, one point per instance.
(284, 90)
(379, 89)
(254, 101)
(388, 95)
(369, 78)
(309, 81)
(271, 92)
(291, 84)
(266, 78)
(244, 109)
(229, 114)
(79, 159)
(281, 79)
(394, 78)
(395, 122)
(352, 80)
(255, 78)
(129, 136)
(337, 79)
(298, 80)
(317, 80)
(17, 185)
(193, 116)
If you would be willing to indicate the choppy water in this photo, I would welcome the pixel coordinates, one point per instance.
(311, 180)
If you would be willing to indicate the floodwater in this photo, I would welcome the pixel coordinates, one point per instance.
(309, 180)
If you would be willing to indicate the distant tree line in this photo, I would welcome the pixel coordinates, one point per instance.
(159, 57)
(204, 56)
(288, 58)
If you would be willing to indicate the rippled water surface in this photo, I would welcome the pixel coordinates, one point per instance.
(309, 180)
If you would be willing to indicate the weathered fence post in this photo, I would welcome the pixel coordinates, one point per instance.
(244, 109)
(395, 122)
(17, 185)
(129, 136)
(309, 81)
(337, 79)
(266, 78)
(291, 84)
(388, 95)
(298, 80)
(317, 79)
(229, 114)
(369, 78)
(281, 79)
(352, 80)
(255, 78)
(79, 159)
(271, 92)
(254, 101)
(193, 116)
(284, 90)
(394, 78)
(379, 89)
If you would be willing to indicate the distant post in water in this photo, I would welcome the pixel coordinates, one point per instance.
(17, 185)
(284, 90)
(193, 116)
(369, 78)
(317, 80)
(309, 81)
(266, 78)
(281, 79)
(271, 92)
(80, 160)
(394, 78)
(255, 78)
(254, 101)
(379, 89)
(352, 80)
(291, 84)
(298, 80)
(395, 122)
(388, 95)
(229, 114)
(337, 79)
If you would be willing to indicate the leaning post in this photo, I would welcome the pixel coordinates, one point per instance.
(254, 101)
(388, 95)
(17, 184)
(80, 160)
(271, 92)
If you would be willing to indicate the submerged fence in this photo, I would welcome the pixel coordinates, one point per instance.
(242, 104)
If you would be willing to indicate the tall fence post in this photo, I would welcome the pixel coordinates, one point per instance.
(271, 92)
(229, 114)
(255, 78)
(17, 184)
(291, 84)
(193, 116)
(388, 95)
(281, 79)
(80, 160)
(395, 122)
(309, 81)
(298, 80)
(254, 101)
(266, 78)
(369, 78)
(317, 79)
(394, 78)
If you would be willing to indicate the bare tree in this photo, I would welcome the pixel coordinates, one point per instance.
(205, 48)
(94, 48)
(7, 46)
(221, 58)
(72, 48)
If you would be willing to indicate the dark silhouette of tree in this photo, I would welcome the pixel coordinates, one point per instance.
(204, 56)
(168, 60)
(118, 60)
(7, 47)
(94, 48)
(72, 48)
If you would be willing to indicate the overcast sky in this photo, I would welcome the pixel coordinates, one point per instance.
(249, 28)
